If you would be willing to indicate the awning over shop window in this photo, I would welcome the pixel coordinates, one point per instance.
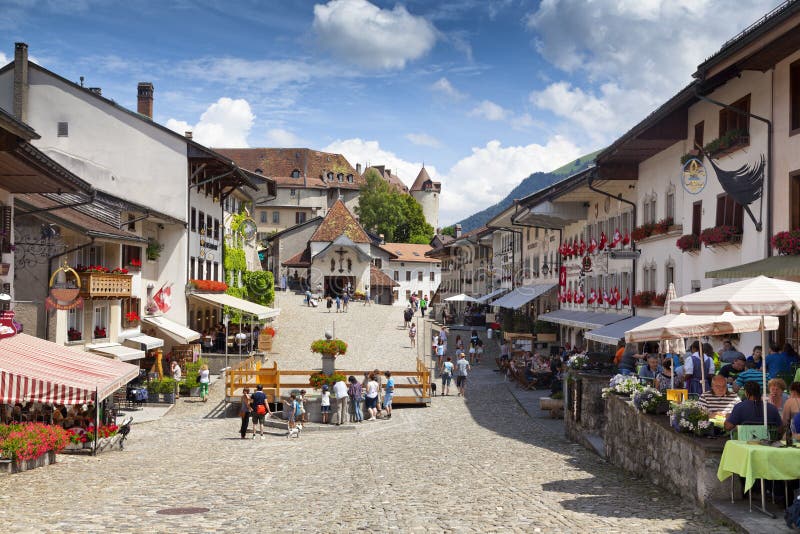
(115, 350)
(143, 342)
(244, 306)
(523, 295)
(612, 333)
(178, 332)
(581, 319)
(37, 370)
(486, 298)
(774, 267)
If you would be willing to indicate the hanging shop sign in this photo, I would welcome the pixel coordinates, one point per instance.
(694, 177)
(587, 264)
(8, 327)
(64, 290)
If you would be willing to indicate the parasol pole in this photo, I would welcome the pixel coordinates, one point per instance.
(702, 365)
(97, 419)
(762, 327)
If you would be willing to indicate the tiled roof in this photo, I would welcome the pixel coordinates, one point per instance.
(77, 220)
(301, 259)
(409, 252)
(392, 179)
(339, 221)
(422, 177)
(312, 165)
(378, 278)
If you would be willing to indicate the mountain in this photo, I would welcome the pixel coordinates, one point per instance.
(531, 184)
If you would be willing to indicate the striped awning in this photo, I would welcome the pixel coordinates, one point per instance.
(37, 370)
(774, 267)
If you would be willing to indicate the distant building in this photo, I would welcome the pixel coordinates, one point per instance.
(415, 273)
(426, 192)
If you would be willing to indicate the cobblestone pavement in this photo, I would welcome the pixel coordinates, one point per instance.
(474, 465)
(375, 335)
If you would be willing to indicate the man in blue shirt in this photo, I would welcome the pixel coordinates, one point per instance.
(751, 410)
(777, 362)
(387, 397)
(751, 374)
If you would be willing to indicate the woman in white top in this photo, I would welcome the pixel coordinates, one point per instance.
(371, 399)
(205, 380)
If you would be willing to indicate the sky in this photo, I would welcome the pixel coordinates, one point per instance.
(482, 92)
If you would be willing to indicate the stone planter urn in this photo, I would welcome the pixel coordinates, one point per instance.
(329, 348)
(328, 364)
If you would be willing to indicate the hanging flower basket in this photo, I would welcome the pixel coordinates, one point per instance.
(329, 347)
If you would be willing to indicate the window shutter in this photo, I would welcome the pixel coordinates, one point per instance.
(5, 229)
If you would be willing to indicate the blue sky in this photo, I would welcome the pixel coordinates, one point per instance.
(484, 92)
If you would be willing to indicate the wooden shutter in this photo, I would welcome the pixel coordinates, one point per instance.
(5, 229)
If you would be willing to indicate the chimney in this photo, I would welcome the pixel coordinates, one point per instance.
(96, 90)
(457, 231)
(383, 241)
(188, 134)
(358, 168)
(145, 99)
(21, 81)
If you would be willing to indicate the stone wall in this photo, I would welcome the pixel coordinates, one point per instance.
(585, 415)
(647, 446)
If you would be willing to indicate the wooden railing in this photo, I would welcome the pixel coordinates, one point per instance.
(411, 387)
(105, 285)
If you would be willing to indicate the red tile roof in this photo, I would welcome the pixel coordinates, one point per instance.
(339, 221)
(392, 179)
(422, 179)
(301, 259)
(378, 278)
(312, 165)
(409, 252)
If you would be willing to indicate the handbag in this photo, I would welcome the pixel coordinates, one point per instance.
(261, 409)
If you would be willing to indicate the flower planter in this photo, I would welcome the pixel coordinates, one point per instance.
(26, 465)
(153, 397)
(169, 397)
(548, 404)
(328, 364)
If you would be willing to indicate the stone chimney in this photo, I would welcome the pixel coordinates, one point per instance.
(457, 229)
(145, 99)
(358, 168)
(21, 81)
(383, 241)
(188, 134)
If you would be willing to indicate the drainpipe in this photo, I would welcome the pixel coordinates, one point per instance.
(555, 268)
(50, 274)
(769, 155)
(591, 178)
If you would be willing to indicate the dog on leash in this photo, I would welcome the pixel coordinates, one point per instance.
(295, 432)
(433, 389)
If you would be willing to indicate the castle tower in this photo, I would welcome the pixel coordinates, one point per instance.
(426, 192)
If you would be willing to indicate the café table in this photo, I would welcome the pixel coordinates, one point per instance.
(752, 462)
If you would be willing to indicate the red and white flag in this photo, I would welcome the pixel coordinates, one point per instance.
(163, 298)
(616, 240)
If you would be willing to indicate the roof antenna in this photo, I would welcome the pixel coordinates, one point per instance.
(81, 81)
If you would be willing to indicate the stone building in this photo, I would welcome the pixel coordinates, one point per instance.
(426, 192)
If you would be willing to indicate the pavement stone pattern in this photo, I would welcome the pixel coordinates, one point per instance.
(479, 464)
(375, 335)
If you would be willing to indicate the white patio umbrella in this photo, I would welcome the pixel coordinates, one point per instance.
(759, 296)
(674, 345)
(461, 297)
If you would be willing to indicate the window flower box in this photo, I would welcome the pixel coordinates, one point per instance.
(721, 235)
(100, 332)
(732, 141)
(74, 335)
(650, 229)
(787, 243)
(688, 243)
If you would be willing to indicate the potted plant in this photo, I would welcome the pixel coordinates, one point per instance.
(99, 332)
(650, 400)
(167, 389)
(318, 380)
(154, 249)
(622, 385)
(686, 416)
(154, 391)
(74, 334)
(718, 235)
(135, 263)
(132, 318)
(330, 349)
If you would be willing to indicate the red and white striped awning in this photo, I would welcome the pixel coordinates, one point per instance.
(33, 369)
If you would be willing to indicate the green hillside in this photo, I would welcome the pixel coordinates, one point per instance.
(531, 184)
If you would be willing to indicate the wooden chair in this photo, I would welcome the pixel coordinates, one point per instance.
(523, 381)
(677, 395)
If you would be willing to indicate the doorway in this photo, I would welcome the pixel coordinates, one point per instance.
(338, 285)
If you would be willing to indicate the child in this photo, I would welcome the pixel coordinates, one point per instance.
(325, 404)
(478, 351)
(302, 400)
(329, 303)
(294, 411)
(412, 334)
(471, 353)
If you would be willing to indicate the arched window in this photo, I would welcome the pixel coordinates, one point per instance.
(340, 177)
(330, 176)
(350, 178)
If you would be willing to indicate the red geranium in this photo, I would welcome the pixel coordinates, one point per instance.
(135, 263)
(787, 243)
(209, 285)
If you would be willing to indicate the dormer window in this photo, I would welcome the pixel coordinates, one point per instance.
(330, 176)
(259, 171)
(296, 173)
(350, 178)
(340, 177)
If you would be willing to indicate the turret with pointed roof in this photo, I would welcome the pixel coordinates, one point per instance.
(426, 192)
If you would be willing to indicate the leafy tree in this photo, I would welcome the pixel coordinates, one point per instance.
(449, 230)
(395, 215)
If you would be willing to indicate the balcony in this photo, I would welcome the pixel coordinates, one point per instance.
(105, 285)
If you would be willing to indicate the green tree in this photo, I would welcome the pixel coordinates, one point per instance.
(395, 215)
(449, 230)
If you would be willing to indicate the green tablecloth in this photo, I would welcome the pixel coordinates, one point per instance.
(758, 461)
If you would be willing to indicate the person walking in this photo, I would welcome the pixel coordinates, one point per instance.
(338, 304)
(447, 375)
(407, 315)
(260, 408)
(244, 412)
(371, 398)
(423, 305)
(340, 392)
(176, 375)
(412, 335)
(329, 303)
(388, 394)
(325, 404)
(345, 302)
(295, 412)
(355, 392)
(204, 381)
(462, 370)
(366, 297)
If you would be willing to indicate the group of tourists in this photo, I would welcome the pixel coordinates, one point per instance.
(461, 367)
(725, 381)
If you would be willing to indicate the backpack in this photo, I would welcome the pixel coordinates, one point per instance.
(792, 514)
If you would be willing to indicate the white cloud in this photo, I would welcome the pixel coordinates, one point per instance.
(370, 153)
(489, 111)
(261, 74)
(476, 181)
(632, 54)
(3, 59)
(226, 123)
(375, 38)
(280, 138)
(443, 85)
(520, 122)
(423, 139)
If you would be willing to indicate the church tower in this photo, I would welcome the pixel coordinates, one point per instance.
(426, 192)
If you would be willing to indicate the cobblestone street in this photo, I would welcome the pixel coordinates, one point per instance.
(478, 465)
